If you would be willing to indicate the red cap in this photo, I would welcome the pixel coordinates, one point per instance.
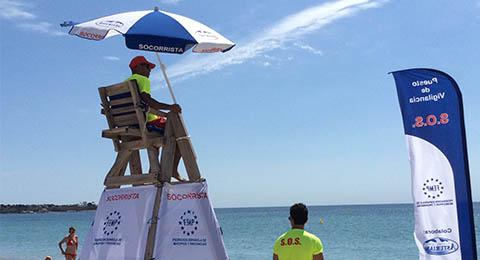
(139, 60)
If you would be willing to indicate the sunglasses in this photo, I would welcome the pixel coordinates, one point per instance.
(146, 65)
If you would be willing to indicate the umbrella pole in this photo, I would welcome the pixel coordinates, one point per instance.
(166, 78)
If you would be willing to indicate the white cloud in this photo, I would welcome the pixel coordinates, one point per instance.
(111, 58)
(290, 29)
(308, 48)
(43, 27)
(14, 10)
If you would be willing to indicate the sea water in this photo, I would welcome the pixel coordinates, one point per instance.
(347, 232)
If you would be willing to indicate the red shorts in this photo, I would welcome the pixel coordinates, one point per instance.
(159, 122)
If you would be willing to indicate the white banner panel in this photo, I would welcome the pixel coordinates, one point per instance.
(121, 224)
(187, 227)
(434, 198)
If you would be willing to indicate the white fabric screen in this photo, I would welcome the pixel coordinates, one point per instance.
(121, 224)
(187, 227)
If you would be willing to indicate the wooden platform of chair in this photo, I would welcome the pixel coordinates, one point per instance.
(126, 116)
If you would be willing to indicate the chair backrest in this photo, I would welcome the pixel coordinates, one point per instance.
(125, 113)
(122, 105)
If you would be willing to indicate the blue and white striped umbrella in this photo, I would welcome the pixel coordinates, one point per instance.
(155, 30)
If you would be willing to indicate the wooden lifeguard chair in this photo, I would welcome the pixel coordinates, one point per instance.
(126, 117)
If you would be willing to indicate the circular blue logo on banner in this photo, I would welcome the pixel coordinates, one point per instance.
(433, 188)
(188, 222)
(112, 222)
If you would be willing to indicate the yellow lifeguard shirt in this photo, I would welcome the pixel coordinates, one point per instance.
(144, 87)
(297, 244)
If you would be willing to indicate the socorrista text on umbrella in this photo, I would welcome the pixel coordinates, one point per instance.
(160, 48)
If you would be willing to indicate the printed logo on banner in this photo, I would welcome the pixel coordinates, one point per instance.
(440, 246)
(435, 194)
(433, 188)
(112, 222)
(188, 222)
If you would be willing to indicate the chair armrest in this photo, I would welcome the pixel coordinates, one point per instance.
(156, 112)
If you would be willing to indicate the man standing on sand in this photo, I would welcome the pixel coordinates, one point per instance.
(298, 244)
(140, 72)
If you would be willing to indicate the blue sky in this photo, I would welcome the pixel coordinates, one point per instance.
(302, 109)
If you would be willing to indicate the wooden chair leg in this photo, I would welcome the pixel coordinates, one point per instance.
(153, 153)
(135, 164)
(119, 167)
(185, 146)
(168, 155)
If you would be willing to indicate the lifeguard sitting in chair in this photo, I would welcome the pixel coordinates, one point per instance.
(141, 72)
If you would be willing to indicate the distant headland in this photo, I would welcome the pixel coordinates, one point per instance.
(45, 208)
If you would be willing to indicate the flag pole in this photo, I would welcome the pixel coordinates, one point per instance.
(166, 78)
